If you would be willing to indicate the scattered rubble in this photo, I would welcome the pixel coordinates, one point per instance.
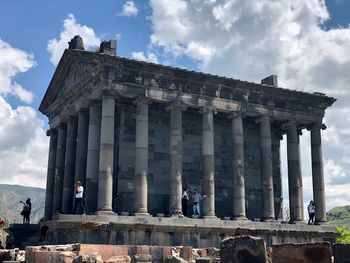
(240, 249)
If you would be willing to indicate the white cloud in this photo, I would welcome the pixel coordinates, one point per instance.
(71, 28)
(252, 39)
(23, 146)
(129, 9)
(12, 62)
(150, 57)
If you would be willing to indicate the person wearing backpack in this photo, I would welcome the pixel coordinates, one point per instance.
(27, 208)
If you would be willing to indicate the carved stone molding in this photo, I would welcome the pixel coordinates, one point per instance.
(208, 109)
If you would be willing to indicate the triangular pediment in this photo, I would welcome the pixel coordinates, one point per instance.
(70, 70)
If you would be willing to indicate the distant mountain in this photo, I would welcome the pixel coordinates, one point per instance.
(339, 216)
(10, 206)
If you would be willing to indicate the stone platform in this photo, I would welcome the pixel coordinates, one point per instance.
(166, 231)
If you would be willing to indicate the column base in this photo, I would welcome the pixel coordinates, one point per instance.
(321, 223)
(177, 215)
(210, 217)
(268, 219)
(238, 218)
(142, 214)
(105, 212)
(296, 222)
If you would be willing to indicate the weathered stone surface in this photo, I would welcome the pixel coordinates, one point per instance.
(106, 251)
(8, 254)
(65, 257)
(186, 253)
(306, 253)
(118, 259)
(142, 258)
(160, 253)
(341, 253)
(76, 43)
(243, 249)
(93, 258)
(174, 259)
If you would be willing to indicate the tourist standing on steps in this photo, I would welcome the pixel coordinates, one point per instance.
(79, 207)
(196, 198)
(184, 200)
(311, 209)
(27, 209)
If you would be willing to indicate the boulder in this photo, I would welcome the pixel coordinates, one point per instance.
(93, 258)
(243, 249)
(146, 258)
(306, 253)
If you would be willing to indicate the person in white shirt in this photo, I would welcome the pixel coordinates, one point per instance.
(311, 209)
(196, 198)
(79, 207)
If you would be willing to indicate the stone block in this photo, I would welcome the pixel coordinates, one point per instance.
(45, 256)
(118, 259)
(187, 253)
(93, 258)
(106, 251)
(8, 254)
(341, 253)
(307, 253)
(144, 258)
(243, 249)
(174, 259)
(159, 253)
(142, 250)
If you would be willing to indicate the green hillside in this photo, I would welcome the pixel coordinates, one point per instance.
(10, 207)
(339, 216)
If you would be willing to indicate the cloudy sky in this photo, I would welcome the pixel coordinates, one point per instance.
(305, 42)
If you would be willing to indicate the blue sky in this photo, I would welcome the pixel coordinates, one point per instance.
(306, 43)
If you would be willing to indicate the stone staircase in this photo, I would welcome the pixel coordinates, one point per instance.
(25, 235)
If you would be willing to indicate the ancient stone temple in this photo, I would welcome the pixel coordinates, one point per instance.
(137, 133)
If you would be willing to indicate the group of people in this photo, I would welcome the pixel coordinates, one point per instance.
(79, 204)
(196, 199)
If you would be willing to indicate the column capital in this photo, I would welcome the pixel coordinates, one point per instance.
(263, 118)
(63, 125)
(109, 92)
(94, 103)
(177, 104)
(72, 119)
(320, 126)
(142, 100)
(208, 109)
(51, 131)
(236, 114)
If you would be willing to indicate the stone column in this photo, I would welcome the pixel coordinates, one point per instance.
(105, 180)
(294, 173)
(82, 143)
(208, 179)
(141, 157)
(175, 153)
(68, 182)
(59, 171)
(50, 181)
(317, 173)
(238, 189)
(268, 211)
(93, 158)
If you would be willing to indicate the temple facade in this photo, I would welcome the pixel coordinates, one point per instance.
(137, 133)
